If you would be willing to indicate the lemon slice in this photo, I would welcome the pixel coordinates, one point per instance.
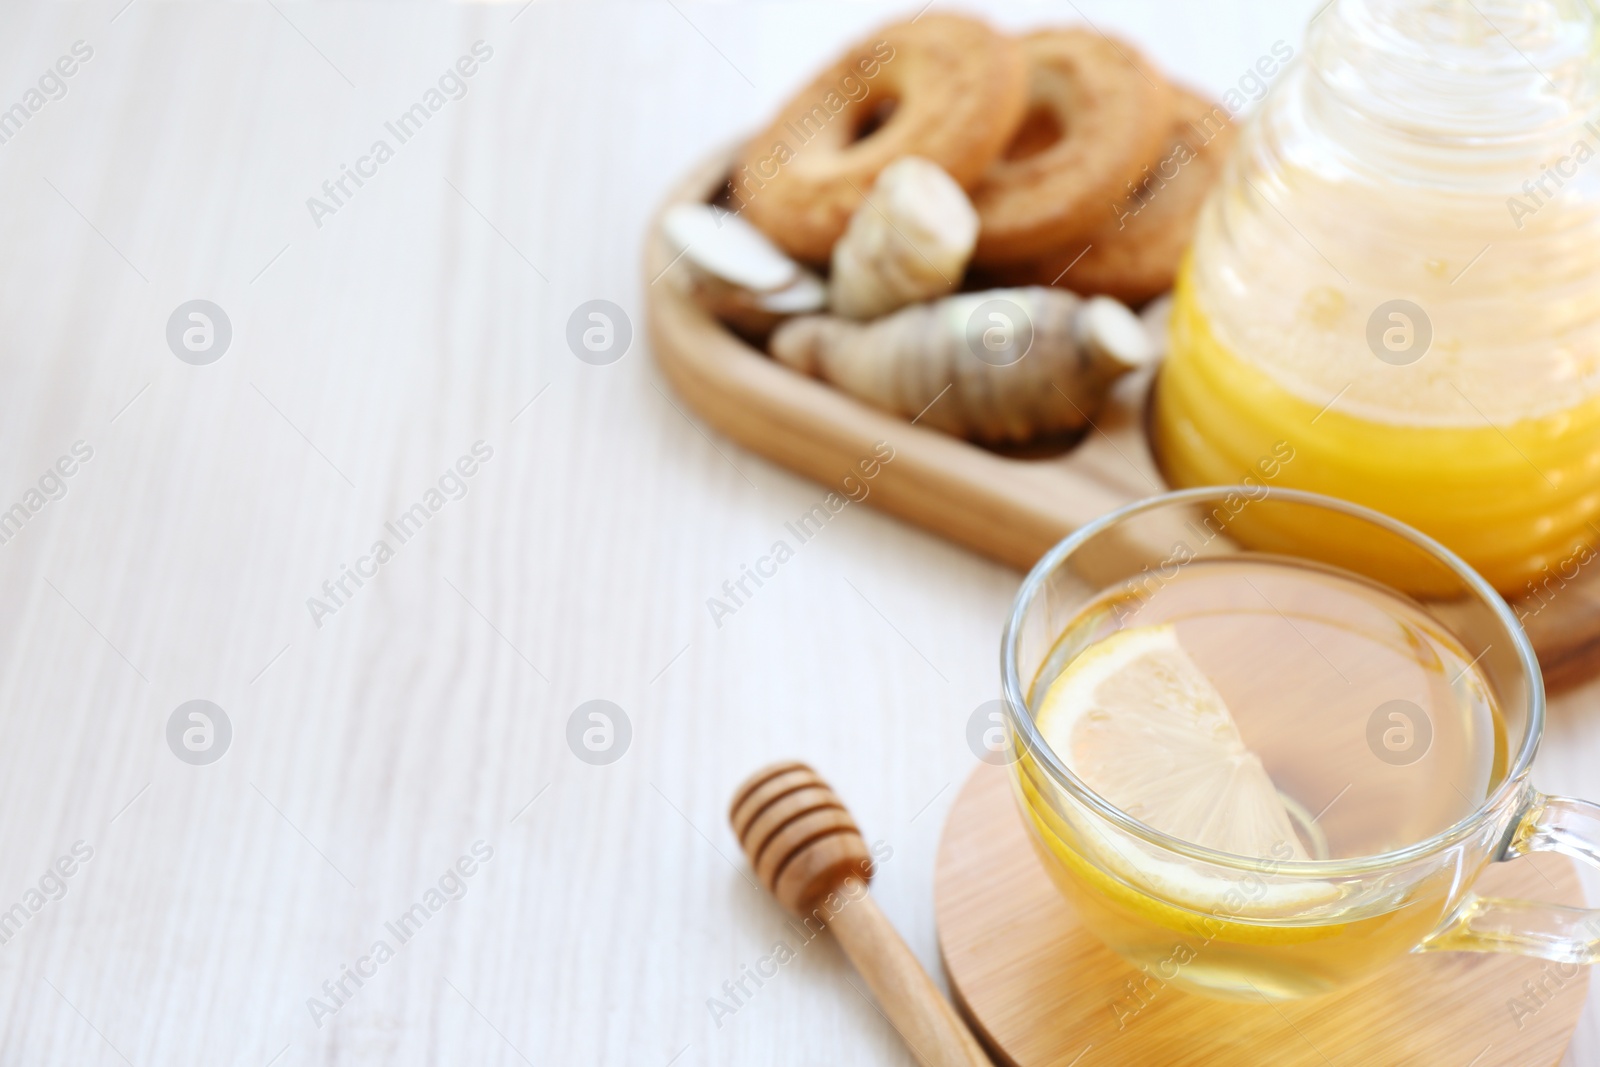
(1137, 720)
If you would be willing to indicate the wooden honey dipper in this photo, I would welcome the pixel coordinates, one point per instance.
(808, 852)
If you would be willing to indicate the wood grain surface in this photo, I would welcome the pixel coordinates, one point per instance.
(1042, 990)
(430, 711)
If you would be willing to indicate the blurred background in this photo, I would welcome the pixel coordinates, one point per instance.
(400, 340)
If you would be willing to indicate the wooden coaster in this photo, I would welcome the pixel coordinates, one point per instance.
(1039, 989)
(1006, 507)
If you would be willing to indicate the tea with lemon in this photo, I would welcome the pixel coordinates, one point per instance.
(1270, 709)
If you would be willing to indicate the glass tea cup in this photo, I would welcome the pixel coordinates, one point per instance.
(1386, 866)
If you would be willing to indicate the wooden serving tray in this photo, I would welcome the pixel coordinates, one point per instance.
(1040, 989)
(1008, 508)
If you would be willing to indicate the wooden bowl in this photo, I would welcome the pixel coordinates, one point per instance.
(1011, 508)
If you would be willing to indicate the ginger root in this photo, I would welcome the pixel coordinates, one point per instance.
(1001, 366)
(910, 241)
(736, 273)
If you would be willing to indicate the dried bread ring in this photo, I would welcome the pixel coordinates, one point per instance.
(1135, 255)
(1097, 113)
(957, 89)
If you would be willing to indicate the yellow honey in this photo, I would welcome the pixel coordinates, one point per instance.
(1513, 500)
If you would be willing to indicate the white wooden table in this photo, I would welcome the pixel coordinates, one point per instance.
(374, 342)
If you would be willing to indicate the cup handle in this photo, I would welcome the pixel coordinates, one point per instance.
(1527, 927)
